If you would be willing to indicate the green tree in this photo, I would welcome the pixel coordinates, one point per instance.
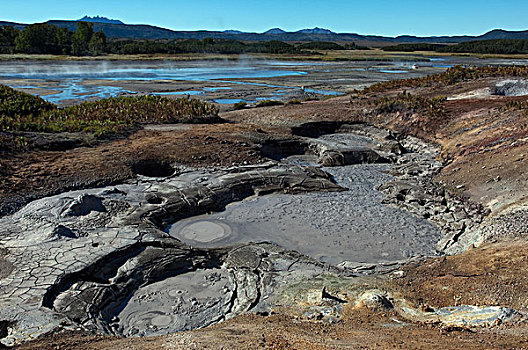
(63, 41)
(32, 39)
(43, 38)
(8, 35)
(97, 44)
(81, 39)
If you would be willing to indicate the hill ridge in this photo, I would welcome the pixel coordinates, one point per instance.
(116, 30)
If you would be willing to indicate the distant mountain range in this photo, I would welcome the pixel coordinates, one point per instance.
(233, 31)
(118, 30)
(98, 19)
(316, 30)
(274, 31)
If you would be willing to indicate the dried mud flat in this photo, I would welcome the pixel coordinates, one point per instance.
(299, 227)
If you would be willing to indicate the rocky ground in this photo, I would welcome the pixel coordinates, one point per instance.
(91, 254)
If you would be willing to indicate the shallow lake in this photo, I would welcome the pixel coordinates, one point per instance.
(220, 81)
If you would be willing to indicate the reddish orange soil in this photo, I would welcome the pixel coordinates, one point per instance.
(35, 174)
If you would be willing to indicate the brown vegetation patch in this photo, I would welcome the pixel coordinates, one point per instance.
(451, 76)
(36, 174)
(494, 274)
(359, 329)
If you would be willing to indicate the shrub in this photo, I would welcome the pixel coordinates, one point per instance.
(293, 102)
(14, 102)
(516, 105)
(137, 110)
(240, 105)
(451, 76)
(408, 104)
(20, 112)
(268, 103)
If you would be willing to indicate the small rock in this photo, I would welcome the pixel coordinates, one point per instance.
(374, 300)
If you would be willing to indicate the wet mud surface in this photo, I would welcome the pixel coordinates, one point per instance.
(348, 226)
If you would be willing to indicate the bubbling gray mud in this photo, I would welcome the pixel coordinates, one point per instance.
(332, 227)
(201, 297)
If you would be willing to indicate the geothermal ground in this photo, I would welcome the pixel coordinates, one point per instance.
(325, 224)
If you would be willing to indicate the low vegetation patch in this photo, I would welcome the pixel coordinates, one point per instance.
(451, 76)
(409, 114)
(112, 114)
(21, 112)
(518, 105)
(13, 102)
(310, 97)
(410, 104)
(240, 105)
(293, 102)
(521, 105)
(268, 103)
(413, 47)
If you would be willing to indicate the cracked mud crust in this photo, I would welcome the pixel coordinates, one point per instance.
(6, 267)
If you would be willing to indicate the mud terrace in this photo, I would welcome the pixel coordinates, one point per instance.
(179, 248)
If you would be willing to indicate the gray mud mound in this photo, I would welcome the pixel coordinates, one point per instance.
(187, 301)
(511, 88)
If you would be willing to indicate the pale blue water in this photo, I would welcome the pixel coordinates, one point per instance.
(70, 90)
(323, 92)
(184, 93)
(229, 100)
(72, 75)
(215, 89)
(102, 72)
(390, 71)
(24, 86)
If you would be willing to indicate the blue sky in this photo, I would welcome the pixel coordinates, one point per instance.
(385, 17)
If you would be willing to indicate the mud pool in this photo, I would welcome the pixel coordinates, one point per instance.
(349, 226)
(332, 227)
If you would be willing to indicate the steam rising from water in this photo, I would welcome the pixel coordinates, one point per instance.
(71, 76)
(198, 71)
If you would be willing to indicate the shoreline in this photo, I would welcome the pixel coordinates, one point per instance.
(325, 56)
